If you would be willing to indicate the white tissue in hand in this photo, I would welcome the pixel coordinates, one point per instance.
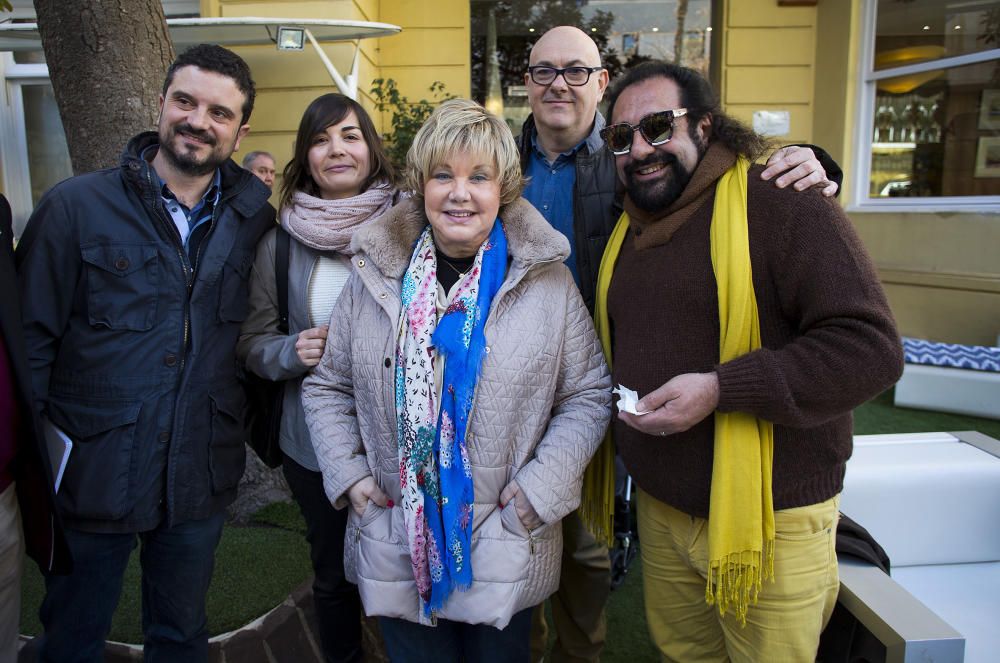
(627, 400)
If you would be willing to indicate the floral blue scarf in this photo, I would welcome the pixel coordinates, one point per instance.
(434, 471)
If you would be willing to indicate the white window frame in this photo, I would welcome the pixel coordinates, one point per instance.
(868, 78)
(13, 135)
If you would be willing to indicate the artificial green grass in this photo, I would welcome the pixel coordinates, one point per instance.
(880, 416)
(283, 515)
(257, 566)
(628, 638)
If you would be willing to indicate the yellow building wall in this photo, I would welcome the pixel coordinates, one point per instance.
(768, 62)
(940, 270)
(432, 46)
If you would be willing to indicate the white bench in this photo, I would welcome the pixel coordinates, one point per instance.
(932, 500)
(950, 377)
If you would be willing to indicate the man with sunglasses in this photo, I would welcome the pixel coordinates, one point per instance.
(573, 184)
(752, 322)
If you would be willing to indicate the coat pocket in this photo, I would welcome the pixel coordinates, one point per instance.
(98, 480)
(227, 453)
(498, 553)
(122, 282)
(234, 291)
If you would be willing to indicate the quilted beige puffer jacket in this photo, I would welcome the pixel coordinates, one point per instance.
(542, 404)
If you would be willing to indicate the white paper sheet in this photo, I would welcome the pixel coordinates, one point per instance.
(59, 446)
(627, 400)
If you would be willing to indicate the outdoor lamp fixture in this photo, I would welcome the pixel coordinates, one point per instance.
(291, 39)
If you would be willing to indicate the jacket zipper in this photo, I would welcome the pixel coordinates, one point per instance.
(188, 269)
(185, 266)
(172, 231)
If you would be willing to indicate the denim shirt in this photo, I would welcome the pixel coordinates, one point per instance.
(551, 187)
(550, 190)
(188, 221)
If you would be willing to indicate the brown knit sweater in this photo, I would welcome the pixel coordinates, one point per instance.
(828, 336)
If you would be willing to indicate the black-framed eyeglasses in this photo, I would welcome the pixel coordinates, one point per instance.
(657, 128)
(576, 76)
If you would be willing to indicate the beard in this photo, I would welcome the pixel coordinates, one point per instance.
(188, 162)
(659, 195)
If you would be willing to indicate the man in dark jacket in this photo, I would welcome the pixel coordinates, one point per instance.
(25, 482)
(134, 284)
(572, 182)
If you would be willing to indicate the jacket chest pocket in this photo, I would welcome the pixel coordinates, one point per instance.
(122, 282)
(234, 292)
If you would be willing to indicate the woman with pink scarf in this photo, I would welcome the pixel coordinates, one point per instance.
(338, 180)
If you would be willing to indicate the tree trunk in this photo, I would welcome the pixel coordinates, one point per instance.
(107, 60)
(494, 90)
(682, 11)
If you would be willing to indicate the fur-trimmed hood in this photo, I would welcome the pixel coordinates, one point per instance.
(389, 240)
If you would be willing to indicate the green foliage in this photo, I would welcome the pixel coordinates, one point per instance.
(407, 116)
(6, 6)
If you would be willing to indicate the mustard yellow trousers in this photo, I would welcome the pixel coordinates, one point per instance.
(791, 611)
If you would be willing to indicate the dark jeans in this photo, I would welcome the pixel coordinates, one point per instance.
(454, 642)
(338, 604)
(176, 572)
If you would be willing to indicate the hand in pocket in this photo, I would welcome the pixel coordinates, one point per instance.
(525, 512)
(365, 490)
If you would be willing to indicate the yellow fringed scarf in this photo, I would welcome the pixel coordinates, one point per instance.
(741, 511)
(598, 499)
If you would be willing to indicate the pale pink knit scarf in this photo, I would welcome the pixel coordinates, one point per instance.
(328, 225)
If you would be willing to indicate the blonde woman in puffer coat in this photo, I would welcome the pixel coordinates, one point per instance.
(460, 396)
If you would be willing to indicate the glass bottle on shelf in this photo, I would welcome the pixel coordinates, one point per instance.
(909, 121)
(934, 122)
(885, 121)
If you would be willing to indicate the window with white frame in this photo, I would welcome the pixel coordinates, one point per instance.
(929, 129)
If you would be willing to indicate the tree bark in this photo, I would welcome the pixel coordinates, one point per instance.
(107, 60)
(494, 90)
(682, 12)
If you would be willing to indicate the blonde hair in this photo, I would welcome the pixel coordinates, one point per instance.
(462, 126)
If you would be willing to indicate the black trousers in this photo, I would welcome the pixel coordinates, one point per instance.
(338, 604)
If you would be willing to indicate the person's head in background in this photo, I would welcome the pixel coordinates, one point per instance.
(261, 164)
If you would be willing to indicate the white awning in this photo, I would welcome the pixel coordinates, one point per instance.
(239, 31)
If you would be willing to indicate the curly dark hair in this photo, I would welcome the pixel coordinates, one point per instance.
(700, 100)
(326, 111)
(220, 61)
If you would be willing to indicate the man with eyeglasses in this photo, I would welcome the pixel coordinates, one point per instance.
(752, 321)
(573, 184)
